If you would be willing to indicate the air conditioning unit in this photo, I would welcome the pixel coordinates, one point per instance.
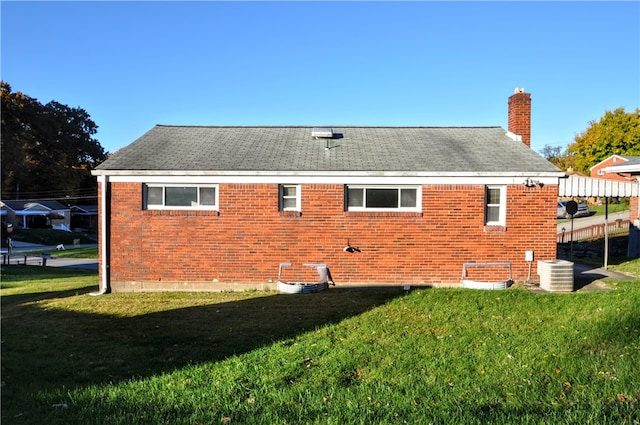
(556, 275)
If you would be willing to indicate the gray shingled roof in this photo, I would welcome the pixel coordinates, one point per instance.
(22, 205)
(629, 160)
(409, 149)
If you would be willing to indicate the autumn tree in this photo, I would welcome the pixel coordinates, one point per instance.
(48, 151)
(557, 156)
(617, 133)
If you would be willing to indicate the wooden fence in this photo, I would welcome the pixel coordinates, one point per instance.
(617, 227)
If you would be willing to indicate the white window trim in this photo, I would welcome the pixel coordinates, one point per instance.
(187, 208)
(417, 208)
(298, 197)
(502, 211)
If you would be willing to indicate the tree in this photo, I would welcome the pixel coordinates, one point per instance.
(557, 157)
(617, 133)
(48, 151)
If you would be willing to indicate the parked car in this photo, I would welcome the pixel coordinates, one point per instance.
(583, 210)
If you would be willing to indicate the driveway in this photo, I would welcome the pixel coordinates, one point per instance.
(582, 222)
(588, 278)
(22, 248)
(74, 263)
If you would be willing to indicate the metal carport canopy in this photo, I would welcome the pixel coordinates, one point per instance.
(587, 186)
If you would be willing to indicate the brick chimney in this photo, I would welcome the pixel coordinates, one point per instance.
(520, 115)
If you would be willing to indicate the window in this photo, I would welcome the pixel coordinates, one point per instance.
(362, 198)
(290, 197)
(495, 206)
(202, 197)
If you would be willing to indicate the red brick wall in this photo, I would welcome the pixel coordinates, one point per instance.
(520, 116)
(634, 208)
(243, 245)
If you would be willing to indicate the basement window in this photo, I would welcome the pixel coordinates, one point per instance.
(383, 198)
(180, 197)
(289, 199)
(495, 206)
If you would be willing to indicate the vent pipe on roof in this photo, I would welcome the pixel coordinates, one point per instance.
(323, 133)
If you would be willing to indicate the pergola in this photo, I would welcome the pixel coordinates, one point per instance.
(579, 186)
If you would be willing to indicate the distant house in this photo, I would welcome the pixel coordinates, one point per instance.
(630, 171)
(621, 168)
(219, 208)
(600, 169)
(84, 218)
(37, 214)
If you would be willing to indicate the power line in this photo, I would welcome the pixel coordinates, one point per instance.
(57, 194)
(50, 196)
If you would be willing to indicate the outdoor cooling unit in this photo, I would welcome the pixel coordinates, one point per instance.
(556, 275)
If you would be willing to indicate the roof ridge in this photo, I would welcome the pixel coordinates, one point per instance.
(323, 126)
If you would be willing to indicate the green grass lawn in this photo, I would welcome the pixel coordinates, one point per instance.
(49, 237)
(76, 253)
(613, 208)
(441, 356)
(91, 252)
(52, 238)
(631, 267)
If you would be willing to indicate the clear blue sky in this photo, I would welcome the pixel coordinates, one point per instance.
(132, 65)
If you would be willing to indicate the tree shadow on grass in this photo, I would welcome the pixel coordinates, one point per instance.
(46, 348)
(18, 300)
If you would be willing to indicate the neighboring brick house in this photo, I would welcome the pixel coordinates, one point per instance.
(629, 170)
(620, 168)
(598, 171)
(219, 208)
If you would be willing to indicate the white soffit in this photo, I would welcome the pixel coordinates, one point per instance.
(296, 178)
(623, 168)
(586, 186)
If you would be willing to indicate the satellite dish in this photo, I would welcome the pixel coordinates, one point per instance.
(572, 207)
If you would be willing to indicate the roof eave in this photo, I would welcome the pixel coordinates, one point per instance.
(226, 173)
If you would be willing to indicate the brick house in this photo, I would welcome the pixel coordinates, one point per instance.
(219, 208)
(628, 170)
(599, 171)
(620, 168)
